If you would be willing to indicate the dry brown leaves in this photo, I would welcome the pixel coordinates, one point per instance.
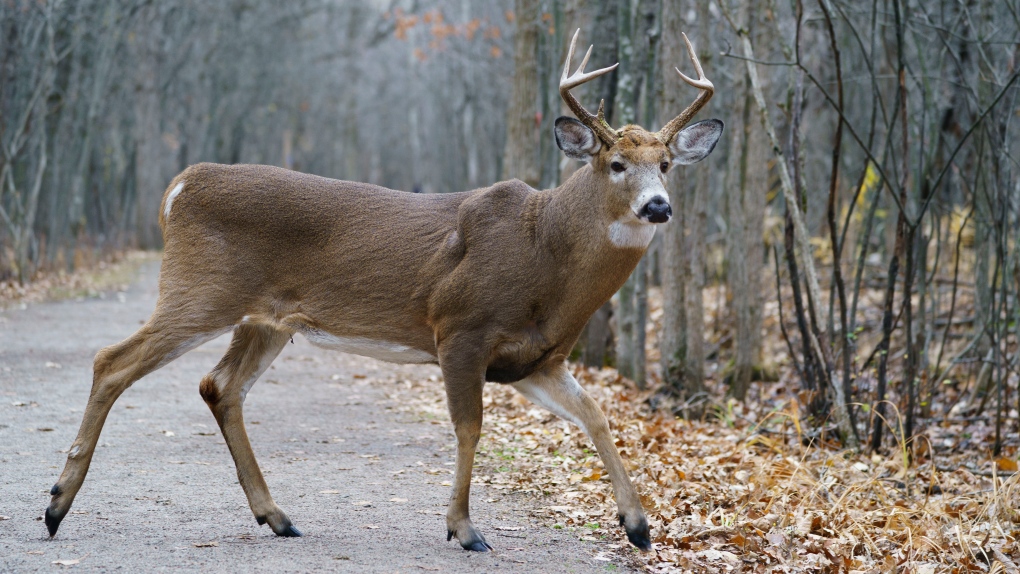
(734, 495)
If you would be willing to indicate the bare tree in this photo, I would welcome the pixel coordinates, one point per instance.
(520, 158)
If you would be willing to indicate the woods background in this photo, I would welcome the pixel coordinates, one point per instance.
(852, 243)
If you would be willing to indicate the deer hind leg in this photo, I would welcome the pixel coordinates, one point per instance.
(464, 399)
(115, 369)
(251, 351)
(558, 391)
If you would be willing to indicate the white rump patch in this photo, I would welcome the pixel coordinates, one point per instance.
(631, 233)
(170, 199)
(382, 350)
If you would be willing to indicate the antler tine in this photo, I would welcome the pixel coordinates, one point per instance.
(669, 131)
(570, 56)
(568, 81)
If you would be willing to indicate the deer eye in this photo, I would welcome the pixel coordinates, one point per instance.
(664, 167)
(616, 166)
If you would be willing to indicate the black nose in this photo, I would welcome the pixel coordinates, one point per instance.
(657, 210)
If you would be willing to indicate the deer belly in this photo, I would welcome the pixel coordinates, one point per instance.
(382, 350)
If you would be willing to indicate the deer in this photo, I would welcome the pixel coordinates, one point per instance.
(493, 285)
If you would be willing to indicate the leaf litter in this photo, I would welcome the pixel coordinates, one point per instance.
(740, 493)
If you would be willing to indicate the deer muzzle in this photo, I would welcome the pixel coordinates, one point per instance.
(657, 210)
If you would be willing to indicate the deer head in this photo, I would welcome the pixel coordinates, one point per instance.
(632, 162)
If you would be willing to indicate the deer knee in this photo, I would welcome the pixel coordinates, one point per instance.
(209, 390)
(593, 416)
(101, 365)
(468, 434)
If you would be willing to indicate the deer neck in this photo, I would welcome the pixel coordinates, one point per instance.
(579, 207)
(598, 249)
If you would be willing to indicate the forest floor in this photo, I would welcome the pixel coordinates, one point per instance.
(746, 489)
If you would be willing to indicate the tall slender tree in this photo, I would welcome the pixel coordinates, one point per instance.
(520, 155)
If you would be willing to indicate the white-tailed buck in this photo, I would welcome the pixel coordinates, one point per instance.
(493, 284)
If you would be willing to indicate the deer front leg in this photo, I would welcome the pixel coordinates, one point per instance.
(464, 398)
(558, 391)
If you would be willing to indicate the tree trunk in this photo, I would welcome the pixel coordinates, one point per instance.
(151, 183)
(520, 155)
(746, 203)
(682, 330)
(597, 338)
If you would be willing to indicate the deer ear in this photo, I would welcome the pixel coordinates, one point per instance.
(576, 140)
(695, 142)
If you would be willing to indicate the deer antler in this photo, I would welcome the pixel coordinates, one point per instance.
(596, 122)
(669, 131)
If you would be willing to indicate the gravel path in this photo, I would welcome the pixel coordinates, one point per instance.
(360, 478)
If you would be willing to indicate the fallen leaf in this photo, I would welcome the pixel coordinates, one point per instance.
(398, 499)
(211, 544)
(66, 562)
(1003, 463)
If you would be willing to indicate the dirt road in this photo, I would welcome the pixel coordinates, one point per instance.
(362, 479)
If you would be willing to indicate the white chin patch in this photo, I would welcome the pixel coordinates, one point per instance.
(631, 233)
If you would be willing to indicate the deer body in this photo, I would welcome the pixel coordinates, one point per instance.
(391, 274)
(493, 284)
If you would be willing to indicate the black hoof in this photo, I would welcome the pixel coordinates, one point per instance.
(52, 522)
(290, 532)
(474, 546)
(55, 490)
(479, 547)
(640, 535)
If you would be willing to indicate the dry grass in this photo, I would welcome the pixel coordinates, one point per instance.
(114, 273)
